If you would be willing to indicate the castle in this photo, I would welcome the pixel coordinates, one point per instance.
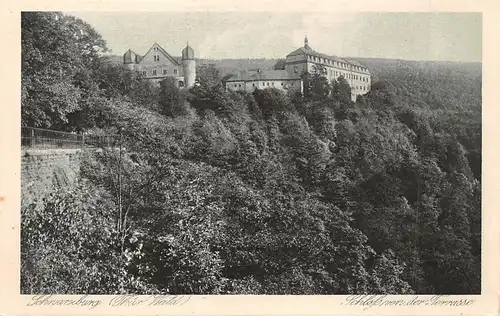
(298, 62)
(157, 65)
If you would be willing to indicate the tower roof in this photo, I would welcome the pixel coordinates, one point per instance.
(129, 57)
(188, 52)
(306, 43)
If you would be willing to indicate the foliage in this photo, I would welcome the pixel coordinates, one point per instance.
(264, 192)
(65, 79)
(69, 245)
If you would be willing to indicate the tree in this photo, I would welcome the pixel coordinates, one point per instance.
(272, 101)
(118, 82)
(169, 97)
(59, 55)
(208, 92)
(316, 84)
(341, 91)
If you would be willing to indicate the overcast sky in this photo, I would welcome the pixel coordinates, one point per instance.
(411, 36)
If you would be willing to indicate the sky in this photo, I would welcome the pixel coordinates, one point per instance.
(217, 35)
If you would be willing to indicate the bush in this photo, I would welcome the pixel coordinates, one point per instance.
(69, 245)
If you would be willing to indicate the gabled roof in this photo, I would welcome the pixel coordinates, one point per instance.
(163, 51)
(263, 75)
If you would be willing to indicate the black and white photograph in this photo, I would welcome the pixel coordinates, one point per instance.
(250, 153)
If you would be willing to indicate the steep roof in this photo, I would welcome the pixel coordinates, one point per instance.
(354, 62)
(129, 57)
(263, 75)
(280, 64)
(310, 52)
(305, 51)
(175, 60)
(188, 52)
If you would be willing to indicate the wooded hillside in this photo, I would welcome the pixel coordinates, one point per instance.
(263, 193)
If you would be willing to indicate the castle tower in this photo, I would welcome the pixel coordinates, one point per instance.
(129, 59)
(188, 66)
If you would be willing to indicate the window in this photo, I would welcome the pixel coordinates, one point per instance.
(175, 71)
(156, 57)
(164, 71)
(154, 72)
(181, 84)
(272, 83)
(296, 69)
(144, 73)
(282, 83)
(268, 84)
(253, 84)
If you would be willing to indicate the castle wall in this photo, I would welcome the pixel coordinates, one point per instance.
(250, 86)
(44, 170)
(163, 70)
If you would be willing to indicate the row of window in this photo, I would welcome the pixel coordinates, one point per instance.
(238, 85)
(346, 76)
(155, 73)
(356, 77)
(362, 88)
(335, 63)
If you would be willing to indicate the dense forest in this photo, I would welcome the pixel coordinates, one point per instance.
(219, 192)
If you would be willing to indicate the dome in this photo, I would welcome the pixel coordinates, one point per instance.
(188, 53)
(129, 57)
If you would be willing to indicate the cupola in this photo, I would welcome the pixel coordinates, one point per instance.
(187, 53)
(306, 43)
(129, 57)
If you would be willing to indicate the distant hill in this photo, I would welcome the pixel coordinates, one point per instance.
(232, 66)
(113, 59)
(429, 84)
